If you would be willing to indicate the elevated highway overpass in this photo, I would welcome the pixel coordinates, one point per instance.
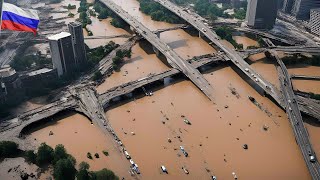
(229, 53)
(173, 58)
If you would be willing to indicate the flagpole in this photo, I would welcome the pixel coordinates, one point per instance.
(1, 10)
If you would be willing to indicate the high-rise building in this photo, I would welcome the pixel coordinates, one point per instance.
(315, 21)
(75, 28)
(301, 8)
(62, 53)
(287, 6)
(261, 14)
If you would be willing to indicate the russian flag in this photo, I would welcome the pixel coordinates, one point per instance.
(19, 19)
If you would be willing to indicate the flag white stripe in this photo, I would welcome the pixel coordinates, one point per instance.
(28, 13)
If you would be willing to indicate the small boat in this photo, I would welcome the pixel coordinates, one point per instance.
(185, 170)
(184, 151)
(187, 121)
(164, 169)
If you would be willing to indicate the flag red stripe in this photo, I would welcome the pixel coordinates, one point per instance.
(6, 24)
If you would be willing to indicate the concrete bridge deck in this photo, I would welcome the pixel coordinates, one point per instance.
(173, 58)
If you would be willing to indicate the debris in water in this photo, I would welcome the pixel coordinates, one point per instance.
(133, 133)
(50, 133)
(265, 127)
(245, 146)
(185, 170)
(187, 121)
(226, 106)
(169, 140)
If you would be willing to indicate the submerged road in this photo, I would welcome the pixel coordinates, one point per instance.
(173, 58)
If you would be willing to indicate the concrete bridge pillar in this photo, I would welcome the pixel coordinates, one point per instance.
(156, 51)
(200, 35)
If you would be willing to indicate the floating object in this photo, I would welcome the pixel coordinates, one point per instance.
(185, 170)
(169, 140)
(265, 127)
(234, 175)
(50, 133)
(187, 121)
(132, 133)
(213, 177)
(164, 169)
(184, 151)
(127, 154)
(245, 146)
(252, 98)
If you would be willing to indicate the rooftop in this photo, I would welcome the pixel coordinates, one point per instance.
(75, 24)
(317, 9)
(59, 36)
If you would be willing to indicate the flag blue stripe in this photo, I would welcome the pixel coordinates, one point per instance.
(31, 23)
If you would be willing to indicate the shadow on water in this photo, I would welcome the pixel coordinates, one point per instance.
(311, 120)
(50, 121)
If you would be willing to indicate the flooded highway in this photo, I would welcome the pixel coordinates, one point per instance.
(216, 135)
(231, 134)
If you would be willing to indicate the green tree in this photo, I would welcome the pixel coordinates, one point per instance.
(8, 149)
(45, 154)
(60, 153)
(83, 173)
(97, 76)
(104, 174)
(64, 170)
(30, 156)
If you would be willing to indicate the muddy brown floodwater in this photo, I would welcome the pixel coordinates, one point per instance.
(245, 41)
(304, 70)
(307, 86)
(132, 7)
(138, 66)
(104, 28)
(185, 45)
(266, 68)
(215, 137)
(79, 137)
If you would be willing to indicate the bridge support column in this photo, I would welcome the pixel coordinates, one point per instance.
(200, 35)
(156, 51)
(158, 34)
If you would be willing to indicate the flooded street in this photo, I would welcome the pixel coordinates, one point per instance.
(78, 136)
(214, 140)
(138, 66)
(153, 128)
